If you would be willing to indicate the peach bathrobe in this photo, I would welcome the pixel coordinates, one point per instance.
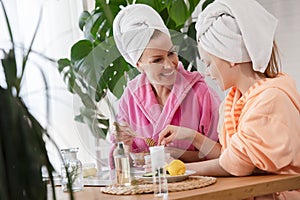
(261, 130)
(191, 103)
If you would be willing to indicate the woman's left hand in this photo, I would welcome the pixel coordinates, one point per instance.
(171, 133)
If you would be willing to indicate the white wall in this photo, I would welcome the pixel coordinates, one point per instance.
(287, 35)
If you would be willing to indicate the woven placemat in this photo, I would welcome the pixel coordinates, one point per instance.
(192, 182)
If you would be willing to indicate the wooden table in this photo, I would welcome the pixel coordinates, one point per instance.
(224, 188)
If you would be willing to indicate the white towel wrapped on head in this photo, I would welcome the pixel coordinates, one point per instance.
(237, 31)
(133, 27)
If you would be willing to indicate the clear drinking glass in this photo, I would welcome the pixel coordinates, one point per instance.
(74, 167)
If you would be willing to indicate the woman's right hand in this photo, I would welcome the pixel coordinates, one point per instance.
(171, 133)
(123, 133)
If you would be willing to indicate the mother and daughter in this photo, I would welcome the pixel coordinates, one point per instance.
(257, 127)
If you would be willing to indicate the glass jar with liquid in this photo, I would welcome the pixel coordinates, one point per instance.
(122, 166)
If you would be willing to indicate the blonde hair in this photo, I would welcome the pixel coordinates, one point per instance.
(274, 63)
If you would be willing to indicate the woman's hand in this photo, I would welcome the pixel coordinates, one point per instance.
(171, 133)
(123, 133)
(207, 147)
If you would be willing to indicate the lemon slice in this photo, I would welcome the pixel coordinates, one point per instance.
(176, 167)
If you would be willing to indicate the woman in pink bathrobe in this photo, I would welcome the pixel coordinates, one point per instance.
(164, 93)
(259, 121)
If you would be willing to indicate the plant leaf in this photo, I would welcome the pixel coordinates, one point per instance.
(62, 63)
(178, 11)
(100, 23)
(206, 3)
(23, 164)
(155, 4)
(80, 50)
(113, 68)
(113, 78)
(97, 122)
(91, 26)
(187, 46)
(83, 18)
(193, 4)
(10, 69)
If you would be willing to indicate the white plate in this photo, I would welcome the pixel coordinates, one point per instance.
(169, 177)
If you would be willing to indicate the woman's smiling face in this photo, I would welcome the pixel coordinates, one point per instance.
(159, 61)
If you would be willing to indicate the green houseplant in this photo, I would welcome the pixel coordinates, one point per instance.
(96, 66)
(23, 153)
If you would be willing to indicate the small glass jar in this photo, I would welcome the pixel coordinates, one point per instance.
(74, 167)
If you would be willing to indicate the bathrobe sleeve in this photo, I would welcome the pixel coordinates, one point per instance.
(209, 110)
(266, 137)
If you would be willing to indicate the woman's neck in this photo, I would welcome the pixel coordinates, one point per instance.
(161, 93)
(247, 77)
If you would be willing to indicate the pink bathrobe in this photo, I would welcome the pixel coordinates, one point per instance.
(191, 104)
(261, 130)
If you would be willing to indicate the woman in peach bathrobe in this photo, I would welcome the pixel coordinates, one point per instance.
(259, 125)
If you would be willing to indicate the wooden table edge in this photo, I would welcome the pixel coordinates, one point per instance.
(286, 182)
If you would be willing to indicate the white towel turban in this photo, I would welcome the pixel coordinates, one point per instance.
(237, 31)
(133, 27)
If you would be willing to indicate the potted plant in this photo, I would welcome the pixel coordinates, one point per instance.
(23, 153)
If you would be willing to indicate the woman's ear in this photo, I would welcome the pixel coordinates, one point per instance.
(232, 64)
(139, 67)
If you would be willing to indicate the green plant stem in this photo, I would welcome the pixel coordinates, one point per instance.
(8, 24)
(29, 49)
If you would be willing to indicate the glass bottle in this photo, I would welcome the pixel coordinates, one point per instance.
(74, 167)
(158, 165)
(122, 166)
